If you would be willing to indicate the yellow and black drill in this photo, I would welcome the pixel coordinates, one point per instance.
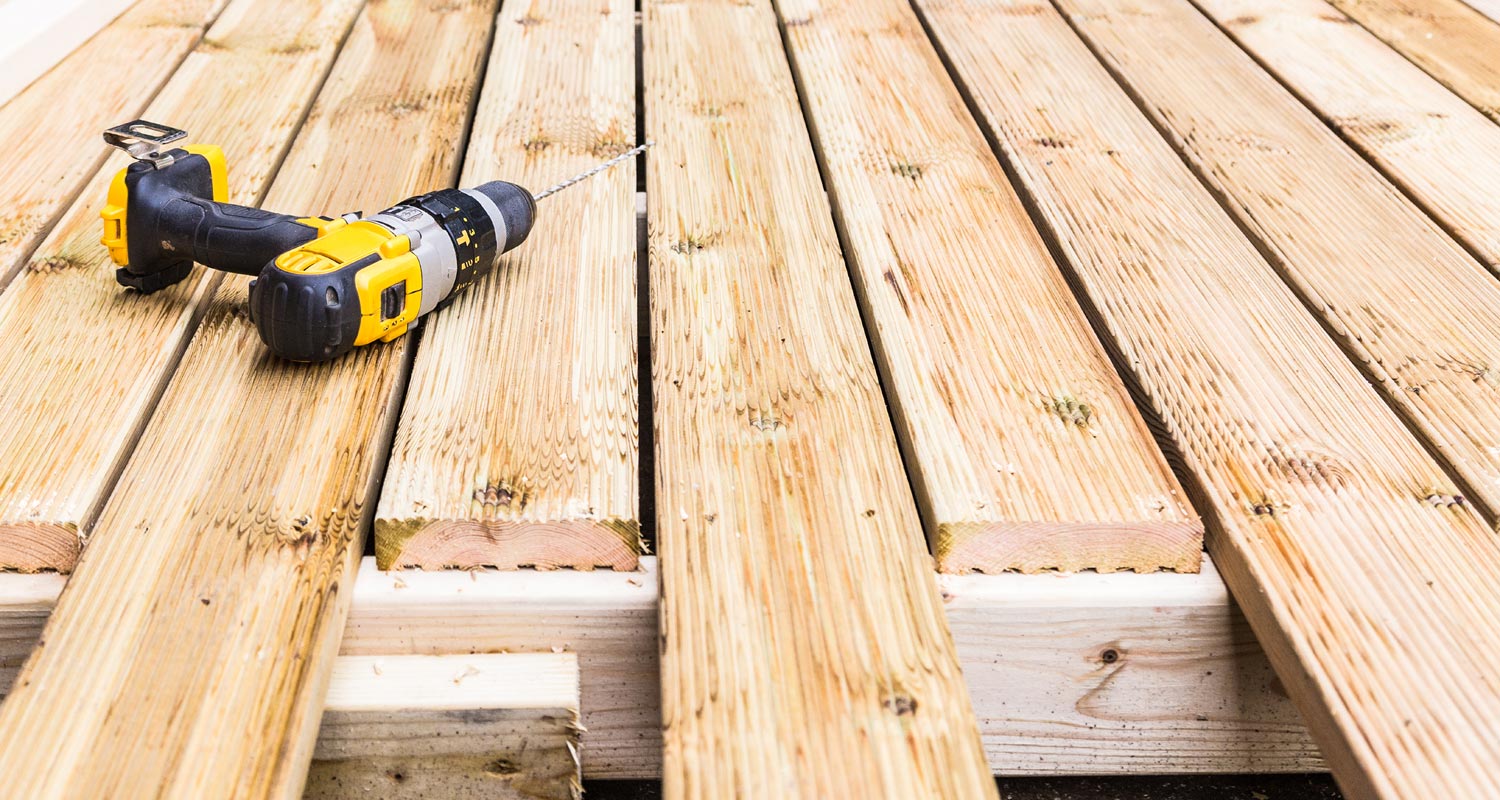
(323, 285)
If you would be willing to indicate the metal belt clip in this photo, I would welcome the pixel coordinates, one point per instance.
(145, 141)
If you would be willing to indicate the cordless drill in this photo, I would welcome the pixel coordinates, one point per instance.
(324, 285)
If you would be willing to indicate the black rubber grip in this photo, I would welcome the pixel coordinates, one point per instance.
(173, 221)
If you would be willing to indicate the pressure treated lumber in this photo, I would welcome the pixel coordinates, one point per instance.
(1451, 41)
(189, 655)
(804, 651)
(1120, 674)
(1024, 447)
(396, 726)
(107, 81)
(82, 362)
(40, 34)
(1365, 576)
(1186, 689)
(1426, 139)
(518, 441)
(1413, 308)
(607, 617)
(490, 725)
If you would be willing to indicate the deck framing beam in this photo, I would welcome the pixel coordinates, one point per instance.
(1138, 674)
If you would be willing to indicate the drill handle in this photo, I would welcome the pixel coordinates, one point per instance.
(163, 215)
(232, 238)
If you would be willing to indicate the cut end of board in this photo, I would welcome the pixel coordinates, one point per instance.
(39, 546)
(994, 547)
(508, 544)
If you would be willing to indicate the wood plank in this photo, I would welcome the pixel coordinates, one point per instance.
(80, 387)
(608, 618)
(393, 715)
(1414, 310)
(496, 725)
(1188, 689)
(804, 651)
(1422, 136)
(1313, 483)
(1451, 41)
(1134, 674)
(1024, 447)
(40, 33)
(105, 82)
(518, 441)
(190, 654)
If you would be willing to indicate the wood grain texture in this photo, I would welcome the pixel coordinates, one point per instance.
(39, 34)
(1422, 136)
(82, 361)
(499, 726)
(192, 649)
(1413, 308)
(1134, 674)
(1451, 41)
(1024, 447)
(518, 442)
(107, 81)
(804, 651)
(1368, 582)
(1187, 689)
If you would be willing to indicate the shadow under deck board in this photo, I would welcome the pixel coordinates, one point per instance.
(518, 440)
(1413, 308)
(1025, 448)
(205, 614)
(1377, 605)
(804, 650)
(51, 129)
(1436, 147)
(82, 361)
(1451, 41)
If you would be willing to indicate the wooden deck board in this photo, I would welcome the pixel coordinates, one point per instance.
(1424, 137)
(804, 651)
(206, 612)
(1418, 313)
(518, 440)
(107, 81)
(1454, 43)
(1024, 447)
(83, 361)
(1370, 586)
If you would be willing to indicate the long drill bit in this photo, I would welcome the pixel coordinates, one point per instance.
(582, 176)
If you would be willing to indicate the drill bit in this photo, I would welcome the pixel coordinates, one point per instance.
(582, 176)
